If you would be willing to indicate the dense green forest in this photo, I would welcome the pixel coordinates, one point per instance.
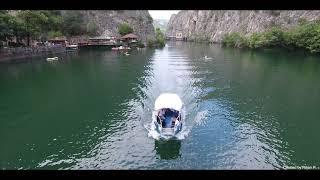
(159, 41)
(43, 24)
(305, 36)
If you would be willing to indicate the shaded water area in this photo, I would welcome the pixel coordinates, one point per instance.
(92, 109)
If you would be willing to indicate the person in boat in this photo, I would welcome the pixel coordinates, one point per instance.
(160, 117)
(161, 114)
(175, 117)
(169, 118)
(173, 122)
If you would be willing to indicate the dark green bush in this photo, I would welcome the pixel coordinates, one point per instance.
(306, 36)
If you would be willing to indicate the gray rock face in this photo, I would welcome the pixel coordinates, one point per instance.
(160, 23)
(108, 22)
(213, 25)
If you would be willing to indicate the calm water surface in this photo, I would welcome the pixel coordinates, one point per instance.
(92, 109)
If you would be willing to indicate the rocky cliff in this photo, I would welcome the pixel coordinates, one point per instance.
(213, 25)
(160, 23)
(107, 22)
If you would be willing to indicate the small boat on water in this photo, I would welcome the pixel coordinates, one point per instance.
(72, 47)
(53, 59)
(207, 58)
(120, 48)
(167, 115)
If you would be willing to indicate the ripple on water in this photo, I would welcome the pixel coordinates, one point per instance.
(229, 123)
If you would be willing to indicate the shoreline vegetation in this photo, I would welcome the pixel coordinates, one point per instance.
(21, 32)
(159, 42)
(21, 28)
(26, 26)
(305, 36)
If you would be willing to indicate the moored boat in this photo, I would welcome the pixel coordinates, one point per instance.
(72, 47)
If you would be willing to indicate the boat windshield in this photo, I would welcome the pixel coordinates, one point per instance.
(168, 117)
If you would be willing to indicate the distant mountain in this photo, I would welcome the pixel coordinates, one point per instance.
(160, 23)
(108, 21)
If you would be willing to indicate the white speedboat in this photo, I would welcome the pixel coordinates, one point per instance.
(72, 47)
(167, 115)
(52, 59)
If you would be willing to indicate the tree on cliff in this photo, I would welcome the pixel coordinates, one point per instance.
(72, 23)
(160, 39)
(92, 28)
(31, 22)
(124, 29)
(6, 31)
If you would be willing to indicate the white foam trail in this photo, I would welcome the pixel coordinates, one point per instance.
(183, 134)
(152, 132)
(171, 71)
(200, 117)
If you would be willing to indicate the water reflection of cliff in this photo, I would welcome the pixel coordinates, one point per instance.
(168, 149)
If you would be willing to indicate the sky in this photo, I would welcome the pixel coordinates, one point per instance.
(162, 14)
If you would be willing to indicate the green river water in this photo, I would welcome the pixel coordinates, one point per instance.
(92, 109)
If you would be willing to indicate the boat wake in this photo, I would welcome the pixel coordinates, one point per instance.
(153, 133)
(170, 72)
